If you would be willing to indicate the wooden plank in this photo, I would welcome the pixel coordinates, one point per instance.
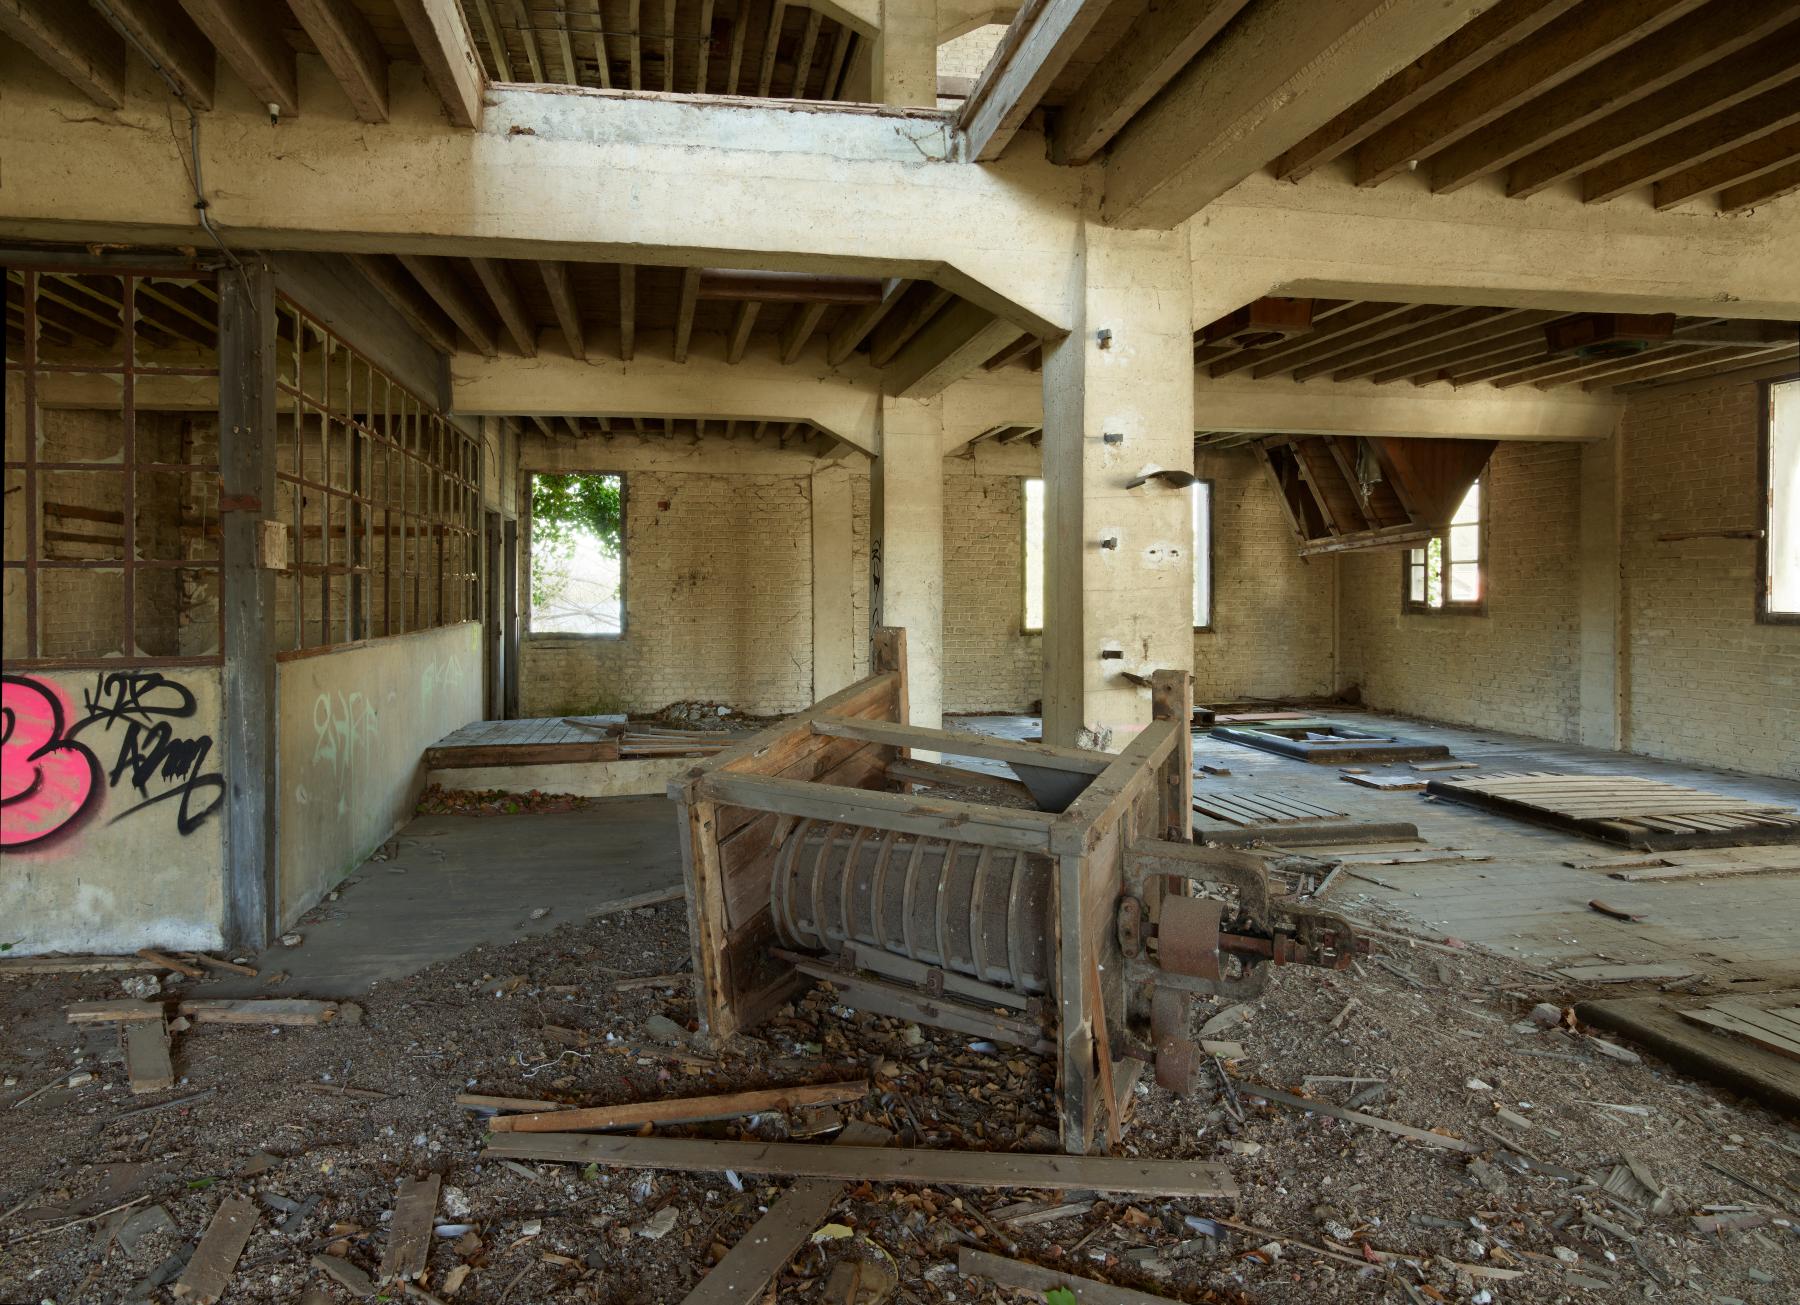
(478, 1101)
(441, 35)
(256, 49)
(684, 1110)
(1018, 1275)
(1778, 1043)
(1385, 783)
(146, 1047)
(1354, 1117)
(933, 1168)
(1624, 973)
(1694, 869)
(777, 1237)
(409, 1232)
(208, 1273)
(931, 817)
(290, 1010)
(962, 743)
(1036, 46)
(515, 754)
(350, 48)
(1743, 1066)
(73, 964)
(1106, 799)
(1776, 1032)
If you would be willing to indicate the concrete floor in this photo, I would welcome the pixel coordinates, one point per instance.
(458, 882)
(1525, 901)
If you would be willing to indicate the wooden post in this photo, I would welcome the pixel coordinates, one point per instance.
(247, 475)
(1172, 698)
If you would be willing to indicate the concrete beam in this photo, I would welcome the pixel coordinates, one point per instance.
(903, 58)
(846, 402)
(706, 455)
(906, 550)
(1283, 70)
(1325, 237)
(714, 183)
(949, 347)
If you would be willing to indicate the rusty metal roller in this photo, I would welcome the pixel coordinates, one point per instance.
(980, 911)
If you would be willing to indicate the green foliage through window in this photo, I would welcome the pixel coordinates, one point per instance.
(577, 542)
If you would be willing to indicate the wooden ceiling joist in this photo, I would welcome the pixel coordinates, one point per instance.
(1012, 353)
(895, 329)
(1478, 348)
(1771, 185)
(802, 322)
(75, 42)
(1733, 169)
(497, 280)
(1035, 48)
(562, 301)
(627, 312)
(255, 47)
(349, 47)
(857, 325)
(1347, 362)
(1399, 359)
(788, 287)
(165, 33)
(447, 290)
(399, 289)
(441, 35)
(684, 314)
(741, 325)
(1388, 325)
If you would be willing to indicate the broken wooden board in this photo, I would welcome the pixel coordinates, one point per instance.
(13, 965)
(1625, 973)
(477, 1102)
(208, 1273)
(1699, 865)
(1777, 1027)
(283, 1010)
(936, 1168)
(1018, 1275)
(1656, 1023)
(165, 962)
(1354, 1117)
(1646, 814)
(777, 1237)
(147, 1063)
(681, 1110)
(1239, 808)
(1385, 783)
(1422, 857)
(346, 1275)
(409, 1231)
(1445, 765)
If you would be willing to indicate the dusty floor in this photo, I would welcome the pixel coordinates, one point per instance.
(1552, 1208)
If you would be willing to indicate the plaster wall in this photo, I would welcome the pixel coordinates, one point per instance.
(352, 727)
(113, 839)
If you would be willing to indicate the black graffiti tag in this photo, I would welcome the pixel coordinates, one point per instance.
(144, 707)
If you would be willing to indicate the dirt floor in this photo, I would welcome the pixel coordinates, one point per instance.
(1553, 1207)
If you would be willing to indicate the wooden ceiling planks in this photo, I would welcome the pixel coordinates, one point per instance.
(1694, 98)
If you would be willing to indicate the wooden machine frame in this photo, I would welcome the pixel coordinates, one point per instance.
(831, 762)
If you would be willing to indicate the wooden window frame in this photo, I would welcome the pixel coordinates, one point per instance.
(1450, 607)
(1765, 493)
(528, 523)
(1207, 626)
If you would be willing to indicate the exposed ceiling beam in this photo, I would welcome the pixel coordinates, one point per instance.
(564, 46)
(1034, 49)
(1012, 352)
(248, 36)
(1770, 185)
(562, 300)
(809, 40)
(595, 13)
(74, 41)
(788, 287)
(442, 37)
(668, 49)
(1769, 366)
(704, 48)
(801, 324)
(447, 290)
(1352, 318)
(1509, 328)
(496, 43)
(1323, 356)
(684, 312)
(1745, 163)
(1281, 70)
(734, 60)
(1385, 346)
(1664, 365)
(1563, 49)
(496, 279)
(840, 52)
(741, 325)
(165, 33)
(350, 49)
(895, 331)
(857, 325)
(1706, 139)
(1462, 52)
(1157, 46)
(950, 346)
(527, 38)
(1622, 81)
(1636, 130)
(771, 44)
(400, 290)
(634, 45)
(627, 311)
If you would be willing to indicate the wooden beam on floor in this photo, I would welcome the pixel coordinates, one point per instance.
(1157, 46)
(741, 325)
(1563, 49)
(684, 312)
(1482, 41)
(801, 324)
(75, 42)
(562, 300)
(248, 36)
(441, 35)
(349, 47)
(496, 278)
(1033, 51)
(393, 283)
(446, 288)
(169, 36)
(627, 311)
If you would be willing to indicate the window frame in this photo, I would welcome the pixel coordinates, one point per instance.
(1765, 491)
(1205, 627)
(529, 530)
(1450, 607)
(1026, 629)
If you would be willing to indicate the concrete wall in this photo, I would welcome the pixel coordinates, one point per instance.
(353, 725)
(1273, 617)
(1514, 668)
(1704, 681)
(113, 838)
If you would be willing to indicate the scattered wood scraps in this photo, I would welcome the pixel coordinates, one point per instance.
(681, 1110)
(1384, 783)
(276, 1010)
(1775, 1027)
(208, 1273)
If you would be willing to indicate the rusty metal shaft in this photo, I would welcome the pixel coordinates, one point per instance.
(980, 911)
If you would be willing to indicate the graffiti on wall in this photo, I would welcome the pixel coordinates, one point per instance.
(344, 725)
(57, 763)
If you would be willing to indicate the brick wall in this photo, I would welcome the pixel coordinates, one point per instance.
(718, 603)
(1272, 610)
(990, 664)
(1515, 668)
(1705, 681)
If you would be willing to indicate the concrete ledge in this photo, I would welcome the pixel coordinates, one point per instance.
(581, 778)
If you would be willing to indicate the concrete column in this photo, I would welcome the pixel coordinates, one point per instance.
(906, 545)
(1118, 584)
(1603, 681)
(903, 59)
(833, 567)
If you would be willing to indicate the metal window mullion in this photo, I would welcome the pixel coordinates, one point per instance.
(128, 492)
(28, 282)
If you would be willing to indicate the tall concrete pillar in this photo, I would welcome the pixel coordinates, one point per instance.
(833, 569)
(1118, 404)
(903, 59)
(906, 545)
(1602, 650)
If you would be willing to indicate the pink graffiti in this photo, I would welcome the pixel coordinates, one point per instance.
(48, 782)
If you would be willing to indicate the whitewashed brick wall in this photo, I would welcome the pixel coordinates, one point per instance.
(990, 663)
